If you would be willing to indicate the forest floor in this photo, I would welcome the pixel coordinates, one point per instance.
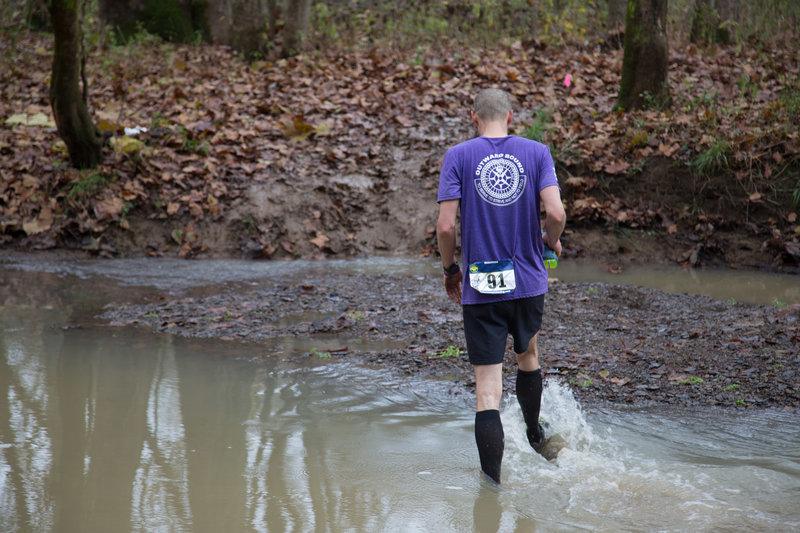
(337, 154)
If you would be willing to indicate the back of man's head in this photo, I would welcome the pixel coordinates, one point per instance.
(492, 105)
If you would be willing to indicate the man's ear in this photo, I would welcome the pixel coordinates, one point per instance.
(510, 118)
(473, 117)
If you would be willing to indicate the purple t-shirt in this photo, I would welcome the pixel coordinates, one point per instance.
(498, 181)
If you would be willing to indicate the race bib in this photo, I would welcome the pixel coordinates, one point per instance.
(492, 277)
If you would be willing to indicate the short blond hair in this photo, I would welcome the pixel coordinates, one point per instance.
(492, 105)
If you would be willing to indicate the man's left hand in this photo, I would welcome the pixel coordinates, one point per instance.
(452, 285)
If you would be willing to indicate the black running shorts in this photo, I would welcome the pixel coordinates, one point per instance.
(487, 326)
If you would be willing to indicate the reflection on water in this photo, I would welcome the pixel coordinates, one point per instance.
(119, 430)
(105, 429)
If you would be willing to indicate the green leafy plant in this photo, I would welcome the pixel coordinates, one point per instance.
(691, 380)
(449, 352)
(651, 102)
(747, 87)
(712, 159)
(355, 315)
(732, 386)
(249, 222)
(151, 314)
(158, 120)
(192, 144)
(89, 183)
(638, 138)
(320, 354)
(796, 196)
(127, 206)
(541, 127)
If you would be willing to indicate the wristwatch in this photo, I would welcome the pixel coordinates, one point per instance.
(452, 269)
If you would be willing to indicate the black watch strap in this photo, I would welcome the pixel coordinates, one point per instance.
(452, 269)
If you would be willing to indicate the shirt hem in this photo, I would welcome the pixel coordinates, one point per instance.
(505, 297)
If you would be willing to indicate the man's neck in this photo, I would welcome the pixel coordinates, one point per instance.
(493, 129)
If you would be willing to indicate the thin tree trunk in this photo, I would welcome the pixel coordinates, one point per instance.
(241, 24)
(75, 126)
(250, 26)
(298, 13)
(616, 14)
(729, 17)
(644, 63)
(714, 21)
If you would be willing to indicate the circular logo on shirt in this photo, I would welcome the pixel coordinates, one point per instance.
(499, 181)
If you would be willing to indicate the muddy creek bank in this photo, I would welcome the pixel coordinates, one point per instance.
(612, 344)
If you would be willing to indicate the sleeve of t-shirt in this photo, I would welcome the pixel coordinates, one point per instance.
(449, 179)
(547, 170)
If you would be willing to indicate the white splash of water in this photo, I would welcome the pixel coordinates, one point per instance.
(596, 475)
(561, 415)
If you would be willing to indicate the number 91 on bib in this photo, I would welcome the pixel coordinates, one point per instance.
(492, 277)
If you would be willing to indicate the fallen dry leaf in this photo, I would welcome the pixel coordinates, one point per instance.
(109, 208)
(320, 240)
(40, 223)
(618, 166)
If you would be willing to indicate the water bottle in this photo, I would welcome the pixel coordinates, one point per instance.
(550, 257)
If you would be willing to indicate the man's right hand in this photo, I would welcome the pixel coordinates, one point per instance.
(452, 285)
(555, 246)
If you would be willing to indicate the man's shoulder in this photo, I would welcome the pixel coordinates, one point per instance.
(529, 144)
(464, 145)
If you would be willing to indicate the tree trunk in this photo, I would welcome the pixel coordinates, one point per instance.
(298, 13)
(616, 14)
(714, 21)
(273, 14)
(729, 17)
(75, 126)
(241, 24)
(644, 62)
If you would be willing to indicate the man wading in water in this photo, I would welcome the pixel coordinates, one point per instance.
(499, 181)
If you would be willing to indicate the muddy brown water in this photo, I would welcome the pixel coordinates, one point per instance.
(727, 285)
(119, 429)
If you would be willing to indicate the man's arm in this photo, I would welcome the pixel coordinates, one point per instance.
(446, 238)
(446, 231)
(555, 218)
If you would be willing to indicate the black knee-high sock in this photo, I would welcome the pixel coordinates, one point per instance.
(529, 396)
(490, 439)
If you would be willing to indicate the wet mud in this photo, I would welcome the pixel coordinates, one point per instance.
(612, 344)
